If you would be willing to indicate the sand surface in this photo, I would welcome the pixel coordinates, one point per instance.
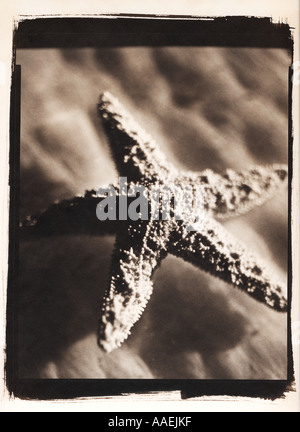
(212, 108)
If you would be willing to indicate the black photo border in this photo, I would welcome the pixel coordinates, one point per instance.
(132, 30)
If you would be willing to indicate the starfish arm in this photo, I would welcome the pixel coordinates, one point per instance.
(235, 193)
(135, 152)
(73, 216)
(138, 251)
(213, 249)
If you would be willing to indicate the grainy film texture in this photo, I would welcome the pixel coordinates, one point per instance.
(207, 108)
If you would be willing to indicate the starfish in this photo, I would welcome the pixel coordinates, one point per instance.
(142, 245)
(190, 231)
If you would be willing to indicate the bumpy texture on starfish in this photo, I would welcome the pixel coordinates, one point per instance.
(140, 246)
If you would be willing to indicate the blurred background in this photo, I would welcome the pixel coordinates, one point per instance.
(206, 107)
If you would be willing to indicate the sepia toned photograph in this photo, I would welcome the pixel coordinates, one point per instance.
(107, 287)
